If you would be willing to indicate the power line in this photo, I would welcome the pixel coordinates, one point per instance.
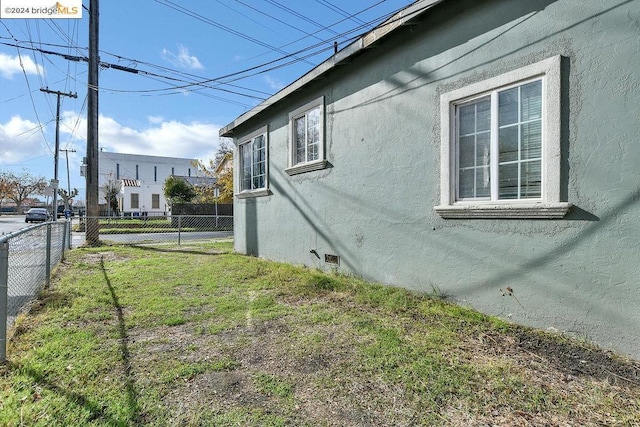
(340, 11)
(298, 15)
(227, 79)
(199, 17)
(277, 19)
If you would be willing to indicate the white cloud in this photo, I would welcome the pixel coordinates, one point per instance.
(20, 139)
(155, 119)
(273, 83)
(182, 59)
(166, 138)
(10, 65)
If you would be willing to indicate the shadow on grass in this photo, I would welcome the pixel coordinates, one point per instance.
(97, 411)
(132, 395)
(180, 251)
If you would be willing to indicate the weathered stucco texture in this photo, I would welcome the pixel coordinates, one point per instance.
(374, 203)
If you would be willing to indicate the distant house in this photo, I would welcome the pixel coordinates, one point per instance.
(487, 150)
(198, 181)
(224, 165)
(140, 179)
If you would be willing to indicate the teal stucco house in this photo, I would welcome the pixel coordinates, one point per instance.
(487, 149)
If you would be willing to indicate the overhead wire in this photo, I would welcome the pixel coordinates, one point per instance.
(244, 15)
(33, 104)
(229, 78)
(276, 19)
(251, 71)
(195, 15)
(339, 11)
(297, 14)
(35, 39)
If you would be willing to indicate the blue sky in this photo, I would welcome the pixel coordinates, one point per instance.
(198, 65)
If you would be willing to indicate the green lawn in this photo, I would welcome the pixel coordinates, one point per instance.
(197, 335)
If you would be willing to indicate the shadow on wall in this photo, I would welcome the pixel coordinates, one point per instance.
(473, 24)
(251, 227)
(571, 244)
(554, 287)
(316, 222)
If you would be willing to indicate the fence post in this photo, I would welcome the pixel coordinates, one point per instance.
(69, 236)
(47, 264)
(64, 238)
(179, 225)
(4, 298)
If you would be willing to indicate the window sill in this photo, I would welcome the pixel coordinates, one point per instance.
(253, 193)
(504, 211)
(306, 167)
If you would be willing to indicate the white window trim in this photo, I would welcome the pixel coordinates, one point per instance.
(260, 191)
(304, 167)
(549, 205)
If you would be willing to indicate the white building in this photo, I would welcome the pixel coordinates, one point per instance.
(140, 179)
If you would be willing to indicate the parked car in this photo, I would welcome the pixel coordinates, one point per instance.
(37, 215)
(61, 212)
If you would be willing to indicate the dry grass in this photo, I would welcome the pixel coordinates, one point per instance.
(200, 336)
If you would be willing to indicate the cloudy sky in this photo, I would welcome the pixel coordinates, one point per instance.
(173, 72)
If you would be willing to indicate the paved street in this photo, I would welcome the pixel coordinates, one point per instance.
(11, 223)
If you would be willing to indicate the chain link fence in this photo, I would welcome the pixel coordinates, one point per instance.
(174, 229)
(27, 258)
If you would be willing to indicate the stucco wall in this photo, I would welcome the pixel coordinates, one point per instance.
(373, 205)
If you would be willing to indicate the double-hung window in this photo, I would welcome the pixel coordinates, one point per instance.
(252, 165)
(500, 149)
(306, 147)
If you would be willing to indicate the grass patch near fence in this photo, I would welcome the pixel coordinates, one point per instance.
(197, 335)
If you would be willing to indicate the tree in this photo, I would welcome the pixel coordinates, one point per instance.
(224, 178)
(6, 187)
(67, 197)
(224, 150)
(20, 187)
(177, 190)
(111, 189)
(225, 184)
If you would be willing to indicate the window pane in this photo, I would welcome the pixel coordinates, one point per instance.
(531, 140)
(312, 152)
(258, 181)
(474, 136)
(300, 141)
(313, 135)
(467, 151)
(467, 119)
(483, 185)
(245, 159)
(508, 144)
(483, 119)
(258, 143)
(508, 107)
(313, 118)
(482, 149)
(300, 155)
(531, 185)
(466, 183)
(508, 181)
(531, 101)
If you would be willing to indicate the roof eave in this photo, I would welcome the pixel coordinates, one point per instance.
(367, 41)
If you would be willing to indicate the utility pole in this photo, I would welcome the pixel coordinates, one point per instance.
(55, 180)
(92, 235)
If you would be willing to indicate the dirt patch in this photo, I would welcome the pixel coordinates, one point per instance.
(576, 360)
